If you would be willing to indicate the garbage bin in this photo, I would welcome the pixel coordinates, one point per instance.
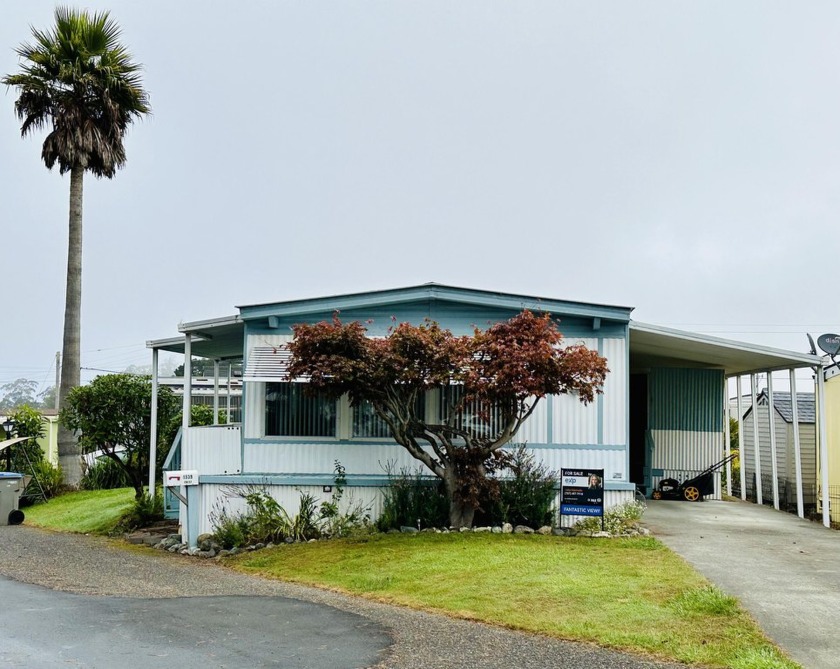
(11, 488)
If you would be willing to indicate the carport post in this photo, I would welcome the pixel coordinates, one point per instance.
(726, 444)
(153, 424)
(759, 498)
(771, 417)
(742, 457)
(215, 392)
(826, 516)
(797, 452)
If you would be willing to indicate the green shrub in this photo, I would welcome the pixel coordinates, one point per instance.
(50, 478)
(526, 497)
(412, 499)
(337, 523)
(616, 518)
(105, 474)
(230, 530)
(23, 456)
(144, 511)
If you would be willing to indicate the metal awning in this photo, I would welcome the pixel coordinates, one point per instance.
(216, 338)
(656, 346)
(269, 364)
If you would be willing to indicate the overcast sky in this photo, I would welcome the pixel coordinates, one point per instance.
(681, 158)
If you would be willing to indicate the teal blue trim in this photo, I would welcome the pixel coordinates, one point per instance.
(600, 398)
(192, 515)
(356, 481)
(685, 399)
(657, 472)
(549, 423)
(380, 442)
(433, 292)
(627, 396)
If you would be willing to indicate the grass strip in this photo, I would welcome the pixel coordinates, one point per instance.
(82, 512)
(628, 594)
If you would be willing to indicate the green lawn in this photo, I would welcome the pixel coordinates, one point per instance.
(85, 512)
(631, 594)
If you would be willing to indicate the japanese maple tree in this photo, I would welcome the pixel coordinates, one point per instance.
(494, 378)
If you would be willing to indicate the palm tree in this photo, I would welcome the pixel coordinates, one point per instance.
(79, 80)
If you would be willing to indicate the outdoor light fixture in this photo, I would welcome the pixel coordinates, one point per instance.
(8, 425)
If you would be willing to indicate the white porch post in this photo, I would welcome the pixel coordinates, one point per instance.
(227, 399)
(797, 451)
(187, 405)
(153, 424)
(215, 392)
(742, 457)
(759, 498)
(823, 439)
(726, 445)
(771, 416)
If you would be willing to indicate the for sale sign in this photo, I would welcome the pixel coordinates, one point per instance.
(582, 492)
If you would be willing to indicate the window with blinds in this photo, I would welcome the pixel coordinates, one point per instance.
(366, 424)
(289, 412)
(483, 421)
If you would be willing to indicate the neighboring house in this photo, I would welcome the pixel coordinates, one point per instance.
(49, 440)
(782, 412)
(226, 393)
(832, 420)
(661, 414)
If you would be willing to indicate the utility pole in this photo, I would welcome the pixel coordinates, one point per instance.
(57, 376)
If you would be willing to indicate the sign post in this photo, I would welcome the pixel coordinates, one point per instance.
(582, 493)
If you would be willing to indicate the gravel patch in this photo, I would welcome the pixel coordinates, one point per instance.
(98, 566)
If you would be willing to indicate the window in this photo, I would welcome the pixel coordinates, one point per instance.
(290, 412)
(482, 421)
(366, 424)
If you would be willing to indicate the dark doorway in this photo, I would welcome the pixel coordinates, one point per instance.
(638, 428)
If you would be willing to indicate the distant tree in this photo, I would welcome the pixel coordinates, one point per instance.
(18, 393)
(113, 415)
(79, 80)
(199, 367)
(46, 398)
(492, 380)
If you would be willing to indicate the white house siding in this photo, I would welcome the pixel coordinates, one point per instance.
(212, 450)
(612, 461)
(535, 429)
(682, 454)
(614, 399)
(293, 457)
(213, 497)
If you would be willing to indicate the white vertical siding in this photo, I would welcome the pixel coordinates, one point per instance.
(319, 458)
(573, 422)
(215, 449)
(683, 454)
(614, 398)
(215, 497)
(535, 429)
(253, 414)
(613, 462)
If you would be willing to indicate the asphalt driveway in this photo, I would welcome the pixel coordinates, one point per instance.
(785, 571)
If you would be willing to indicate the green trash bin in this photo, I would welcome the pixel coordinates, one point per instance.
(11, 488)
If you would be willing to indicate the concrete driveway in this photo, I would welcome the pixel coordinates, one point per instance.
(785, 571)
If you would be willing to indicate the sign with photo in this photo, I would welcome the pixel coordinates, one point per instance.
(582, 492)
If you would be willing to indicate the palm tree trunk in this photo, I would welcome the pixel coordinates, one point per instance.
(68, 447)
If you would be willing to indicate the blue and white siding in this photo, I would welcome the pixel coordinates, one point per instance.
(685, 422)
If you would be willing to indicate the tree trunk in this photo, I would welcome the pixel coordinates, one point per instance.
(68, 447)
(460, 514)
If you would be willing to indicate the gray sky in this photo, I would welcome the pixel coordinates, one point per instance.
(682, 158)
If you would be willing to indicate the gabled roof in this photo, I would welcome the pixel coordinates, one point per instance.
(806, 406)
(435, 291)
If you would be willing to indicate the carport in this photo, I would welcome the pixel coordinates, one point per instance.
(673, 429)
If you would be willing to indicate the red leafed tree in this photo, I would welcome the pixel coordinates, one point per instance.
(491, 383)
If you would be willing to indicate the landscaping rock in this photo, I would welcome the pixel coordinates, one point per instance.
(545, 530)
(496, 529)
(507, 528)
(523, 529)
(601, 535)
(481, 529)
(289, 540)
(408, 529)
(207, 554)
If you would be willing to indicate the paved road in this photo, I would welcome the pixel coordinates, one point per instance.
(119, 586)
(784, 570)
(44, 628)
